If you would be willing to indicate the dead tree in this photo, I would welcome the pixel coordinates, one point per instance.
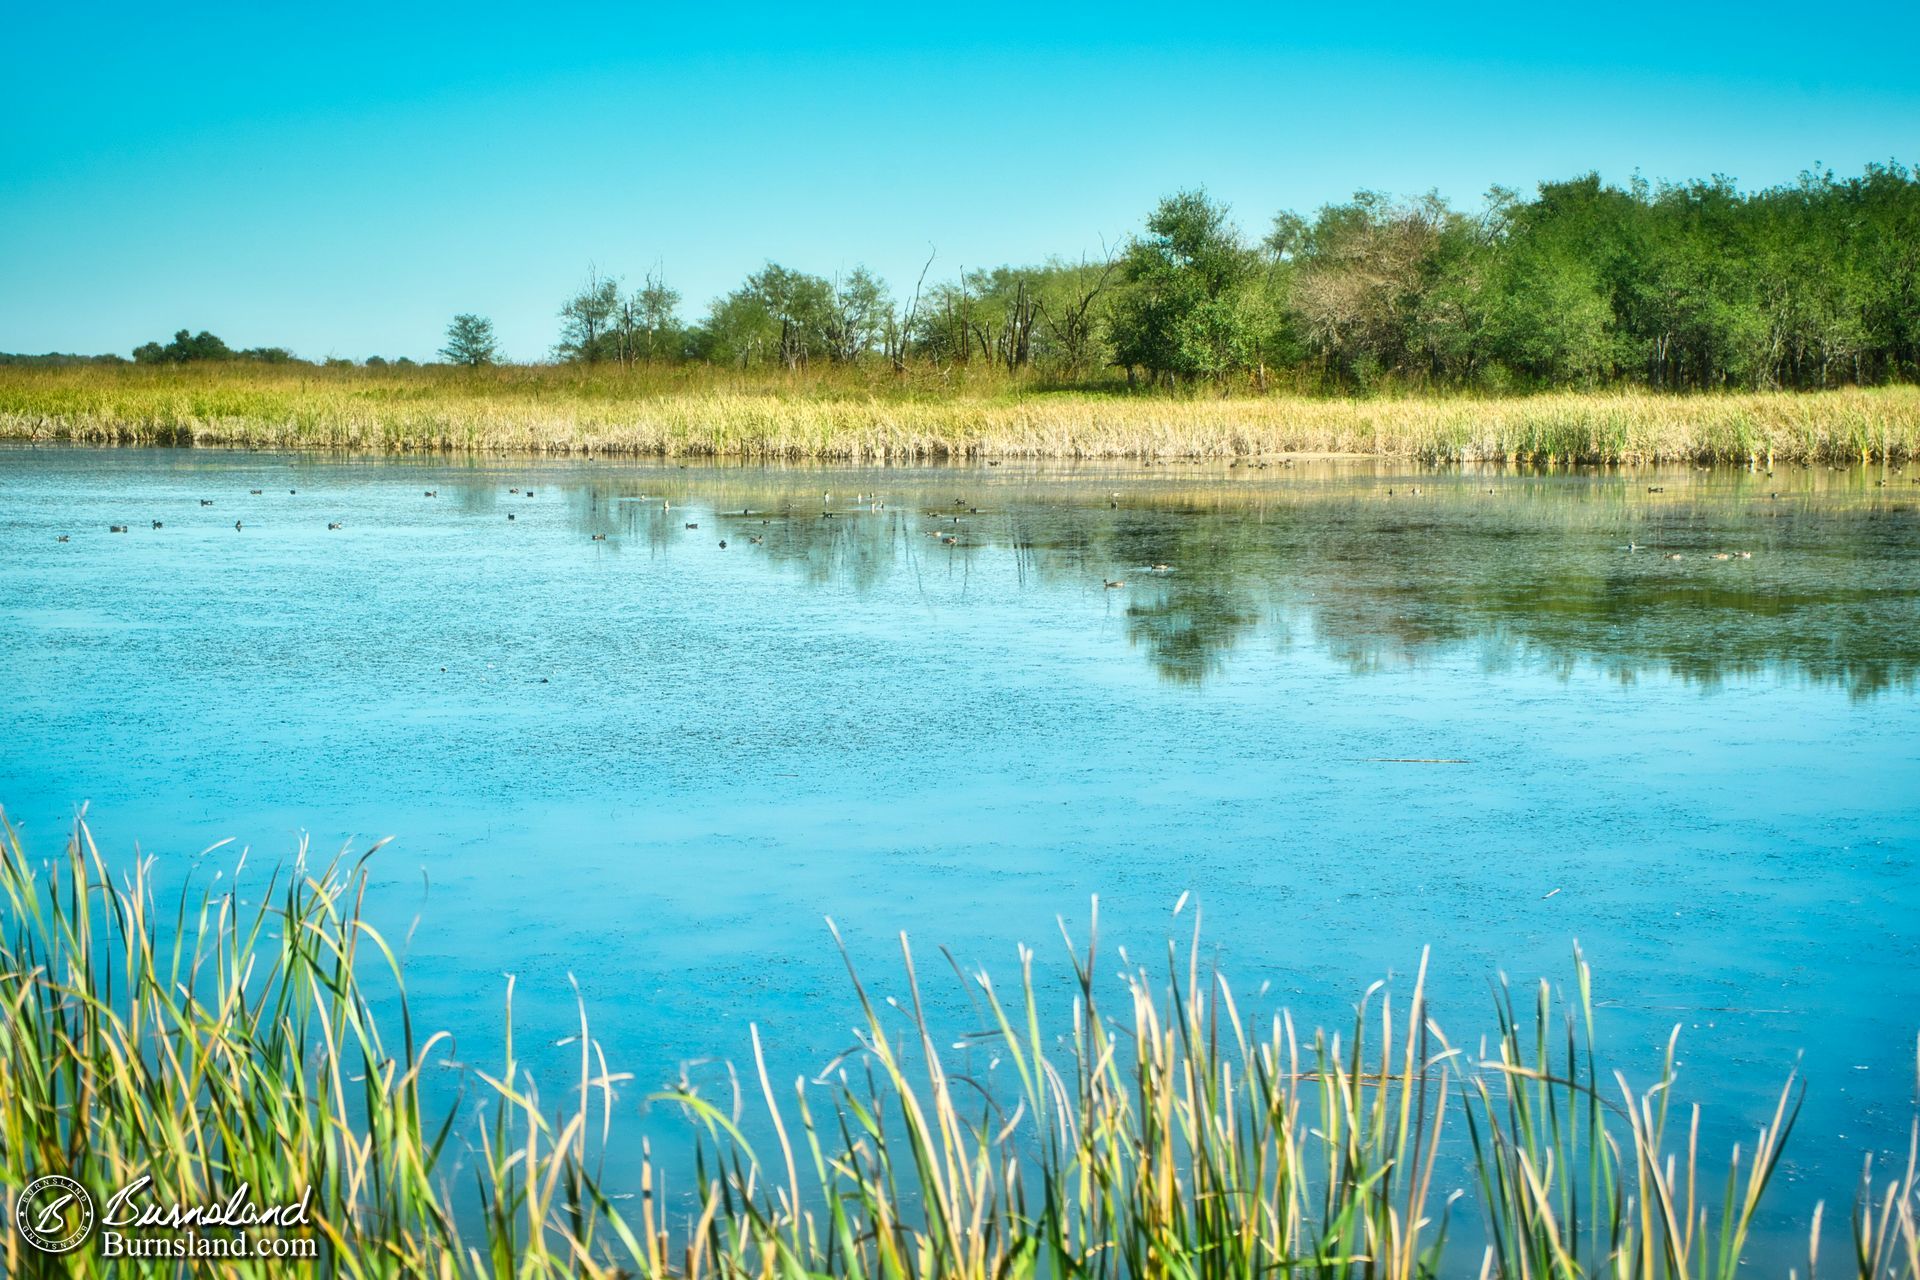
(1072, 329)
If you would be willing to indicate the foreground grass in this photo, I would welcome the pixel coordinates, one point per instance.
(927, 415)
(217, 1043)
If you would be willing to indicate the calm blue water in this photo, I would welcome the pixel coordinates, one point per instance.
(656, 764)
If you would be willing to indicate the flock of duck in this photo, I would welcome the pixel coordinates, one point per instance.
(205, 502)
(948, 532)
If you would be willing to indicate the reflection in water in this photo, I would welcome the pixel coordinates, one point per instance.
(1808, 575)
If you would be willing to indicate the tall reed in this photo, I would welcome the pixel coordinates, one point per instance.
(1165, 1134)
(861, 416)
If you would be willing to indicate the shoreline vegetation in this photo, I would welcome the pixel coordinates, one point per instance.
(871, 415)
(232, 1035)
(1586, 322)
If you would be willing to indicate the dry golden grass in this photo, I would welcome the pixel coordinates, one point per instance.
(865, 416)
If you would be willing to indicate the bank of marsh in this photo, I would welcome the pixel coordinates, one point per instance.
(867, 415)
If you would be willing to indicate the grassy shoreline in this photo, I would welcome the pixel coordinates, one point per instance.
(213, 1040)
(872, 417)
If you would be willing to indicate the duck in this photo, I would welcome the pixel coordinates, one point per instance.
(1721, 555)
(158, 525)
(333, 524)
(1162, 568)
(692, 525)
(723, 544)
(236, 526)
(756, 539)
(509, 515)
(433, 493)
(293, 491)
(206, 502)
(1112, 583)
(116, 528)
(1675, 556)
(256, 492)
(63, 538)
(599, 537)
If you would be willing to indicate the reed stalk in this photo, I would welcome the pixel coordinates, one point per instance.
(1162, 1131)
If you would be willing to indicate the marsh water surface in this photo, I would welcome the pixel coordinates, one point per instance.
(1354, 710)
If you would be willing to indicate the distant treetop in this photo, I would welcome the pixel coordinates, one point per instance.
(189, 348)
(470, 341)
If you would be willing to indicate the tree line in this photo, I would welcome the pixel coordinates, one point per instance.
(1683, 286)
(193, 348)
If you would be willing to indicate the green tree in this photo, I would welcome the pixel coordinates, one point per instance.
(1185, 312)
(184, 349)
(588, 321)
(652, 315)
(777, 314)
(857, 315)
(470, 342)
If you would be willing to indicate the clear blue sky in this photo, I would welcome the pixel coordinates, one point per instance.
(343, 178)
